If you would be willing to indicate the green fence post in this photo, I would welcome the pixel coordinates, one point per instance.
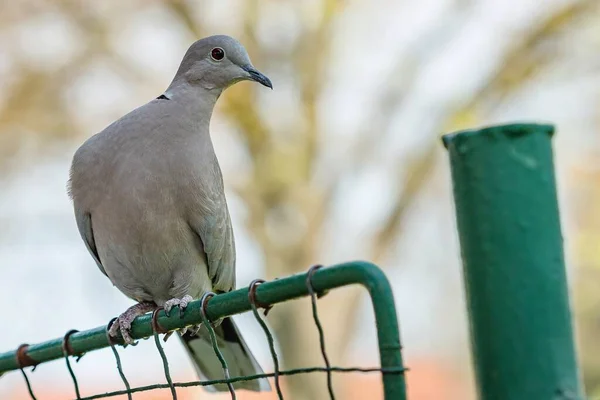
(513, 263)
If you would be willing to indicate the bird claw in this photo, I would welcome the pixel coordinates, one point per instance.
(123, 322)
(122, 325)
(181, 303)
(167, 336)
(192, 330)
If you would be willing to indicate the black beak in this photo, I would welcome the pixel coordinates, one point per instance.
(256, 76)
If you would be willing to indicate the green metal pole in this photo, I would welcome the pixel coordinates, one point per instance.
(513, 263)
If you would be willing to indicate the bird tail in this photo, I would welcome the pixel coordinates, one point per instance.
(240, 360)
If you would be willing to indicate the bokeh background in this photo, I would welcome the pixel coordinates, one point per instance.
(341, 161)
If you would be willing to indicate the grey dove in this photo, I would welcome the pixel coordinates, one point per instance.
(150, 204)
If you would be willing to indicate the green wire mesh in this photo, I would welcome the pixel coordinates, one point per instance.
(212, 307)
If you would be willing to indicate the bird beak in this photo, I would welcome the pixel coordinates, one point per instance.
(256, 76)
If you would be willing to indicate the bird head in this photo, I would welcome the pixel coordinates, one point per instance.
(217, 62)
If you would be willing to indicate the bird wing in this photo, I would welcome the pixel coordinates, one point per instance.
(212, 224)
(84, 224)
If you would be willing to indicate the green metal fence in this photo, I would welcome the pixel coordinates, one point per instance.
(317, 281)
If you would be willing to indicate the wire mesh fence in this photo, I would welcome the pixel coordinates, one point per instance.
(259, 294)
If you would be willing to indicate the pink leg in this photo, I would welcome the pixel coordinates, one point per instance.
(123, 322)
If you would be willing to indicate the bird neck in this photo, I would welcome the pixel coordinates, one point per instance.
(196, 100)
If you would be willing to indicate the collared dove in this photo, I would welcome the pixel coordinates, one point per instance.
(150, 204)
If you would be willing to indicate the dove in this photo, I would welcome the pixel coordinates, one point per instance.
(149, 202)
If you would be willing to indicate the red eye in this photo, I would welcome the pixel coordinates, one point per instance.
(217, 54)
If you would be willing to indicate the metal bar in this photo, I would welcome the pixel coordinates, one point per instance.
(513, 263)
(235, 302)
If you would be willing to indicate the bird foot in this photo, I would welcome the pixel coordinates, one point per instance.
(192, 330)
(181, 303)
(123, 322)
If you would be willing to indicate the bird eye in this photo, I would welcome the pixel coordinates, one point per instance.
(217, 54)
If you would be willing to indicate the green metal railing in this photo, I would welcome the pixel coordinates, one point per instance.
(235, 302)
(513, 263)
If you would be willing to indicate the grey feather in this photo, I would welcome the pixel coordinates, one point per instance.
(84, 224)
(148, 190)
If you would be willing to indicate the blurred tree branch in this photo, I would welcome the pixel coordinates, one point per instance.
(526, 60)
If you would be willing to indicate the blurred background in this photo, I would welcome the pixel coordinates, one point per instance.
(341, 161)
